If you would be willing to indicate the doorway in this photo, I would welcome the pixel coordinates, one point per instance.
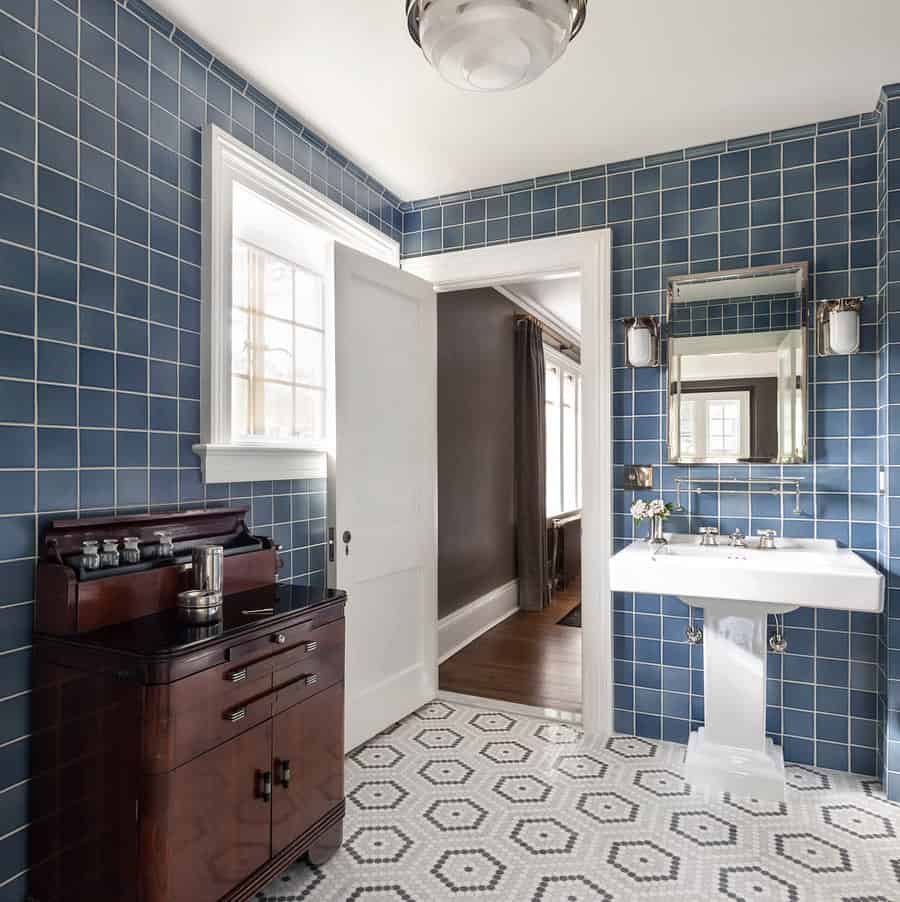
(489, 646)
(586, 257)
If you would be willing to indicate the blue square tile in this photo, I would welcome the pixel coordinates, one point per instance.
(98, 488)
(57, 490)
(16, 492)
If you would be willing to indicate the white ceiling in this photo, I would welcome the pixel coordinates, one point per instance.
(643, 77)
(557, 301)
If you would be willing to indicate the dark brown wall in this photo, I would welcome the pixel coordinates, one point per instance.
(476, 498)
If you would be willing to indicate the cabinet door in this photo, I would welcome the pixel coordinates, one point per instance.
(308, 765)
(220, 817)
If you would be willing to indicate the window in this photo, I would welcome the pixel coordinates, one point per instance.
(715, 425)
(277, 348)
(562, 386)
(267, 379)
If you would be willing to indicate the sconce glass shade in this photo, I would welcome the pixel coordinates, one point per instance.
(843, 331)
(837, 326)
(493, 45)
(641, 341)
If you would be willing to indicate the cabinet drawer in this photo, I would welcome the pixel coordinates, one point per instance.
(304, 637)
(207, 708)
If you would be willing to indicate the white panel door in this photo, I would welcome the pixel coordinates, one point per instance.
(382, 488)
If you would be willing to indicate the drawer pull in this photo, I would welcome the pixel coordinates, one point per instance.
(279, 638)
(264, 791)
(312, 646)
(286, 774)
(236, 714)
(312, 679)
(237, 676)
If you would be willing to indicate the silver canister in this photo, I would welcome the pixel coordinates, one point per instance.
(208, 563)
(196, 606)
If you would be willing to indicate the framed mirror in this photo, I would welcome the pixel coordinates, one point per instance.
(737, 346)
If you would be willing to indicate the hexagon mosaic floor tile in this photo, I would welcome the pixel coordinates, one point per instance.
(466, 803)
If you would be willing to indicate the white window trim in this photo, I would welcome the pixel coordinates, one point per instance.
(567, 365)
(226, 161)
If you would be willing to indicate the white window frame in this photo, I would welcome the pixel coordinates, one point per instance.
(227, 161)
(567, 366)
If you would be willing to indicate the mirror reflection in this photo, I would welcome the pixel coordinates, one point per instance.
(737, 366)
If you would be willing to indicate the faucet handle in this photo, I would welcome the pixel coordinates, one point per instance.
(738, 540)
(708, 535)
(766, 538)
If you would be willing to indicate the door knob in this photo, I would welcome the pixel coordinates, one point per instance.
(345, 538)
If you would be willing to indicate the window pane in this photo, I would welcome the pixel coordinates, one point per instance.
(308, 291)
(554, 428)
(278, 420)
(278, 289)
(570, 447)
(240, 342)
(240, 406)
(279, 350)
(310, 413)
(310, 351)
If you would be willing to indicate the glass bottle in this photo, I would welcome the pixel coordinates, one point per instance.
(131, 552)
(166, 544)
(90, 556)
(109, 555)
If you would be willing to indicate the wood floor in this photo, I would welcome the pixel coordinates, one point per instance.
(528, 659)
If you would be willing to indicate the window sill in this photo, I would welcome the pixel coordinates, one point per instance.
(249, 463)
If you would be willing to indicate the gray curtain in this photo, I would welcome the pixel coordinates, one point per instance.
(531, 495)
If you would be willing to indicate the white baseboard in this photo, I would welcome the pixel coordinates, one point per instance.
(457, 630)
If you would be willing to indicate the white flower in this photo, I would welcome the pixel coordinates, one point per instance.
(639, 509)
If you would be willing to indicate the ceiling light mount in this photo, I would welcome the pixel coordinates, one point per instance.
(493, 45)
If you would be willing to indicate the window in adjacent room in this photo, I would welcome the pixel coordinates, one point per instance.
(562, 385)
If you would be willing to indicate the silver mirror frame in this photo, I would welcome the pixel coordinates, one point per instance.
(801, 269)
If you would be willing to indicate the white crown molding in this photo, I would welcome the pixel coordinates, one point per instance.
(521, 299)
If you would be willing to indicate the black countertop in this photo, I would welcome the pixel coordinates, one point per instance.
(164, 635)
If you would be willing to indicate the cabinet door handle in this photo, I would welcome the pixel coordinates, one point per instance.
(312, 679)
(237, 676)
(264, 791)
(311, 646)
(286, 774)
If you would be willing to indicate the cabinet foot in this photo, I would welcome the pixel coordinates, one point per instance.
(326, 845)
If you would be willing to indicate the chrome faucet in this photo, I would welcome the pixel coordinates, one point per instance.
(737, 540)
(708, 536)
(767, 539)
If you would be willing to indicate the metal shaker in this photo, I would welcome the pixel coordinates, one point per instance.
(203, 603)
(208, 563)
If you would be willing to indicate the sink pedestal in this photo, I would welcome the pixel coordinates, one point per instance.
(732, 753)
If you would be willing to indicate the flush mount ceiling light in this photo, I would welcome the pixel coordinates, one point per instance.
(493, 45)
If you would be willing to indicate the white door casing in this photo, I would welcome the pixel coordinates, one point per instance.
(382, 488)
(587, 255)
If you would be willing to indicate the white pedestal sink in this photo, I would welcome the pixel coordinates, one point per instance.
(738, 588)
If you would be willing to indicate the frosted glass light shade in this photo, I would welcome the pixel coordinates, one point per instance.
(494, 45)
(640, 350)
(843, 331)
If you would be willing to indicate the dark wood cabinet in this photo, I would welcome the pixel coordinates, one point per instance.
(217, 819)
(185, 764)
(308, 745)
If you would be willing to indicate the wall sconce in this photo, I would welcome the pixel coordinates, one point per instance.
(837, 326)
(641, 341)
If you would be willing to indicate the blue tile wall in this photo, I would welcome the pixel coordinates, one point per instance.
(889, 440)
(755, 314)
(804, 194)
(101, 107)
